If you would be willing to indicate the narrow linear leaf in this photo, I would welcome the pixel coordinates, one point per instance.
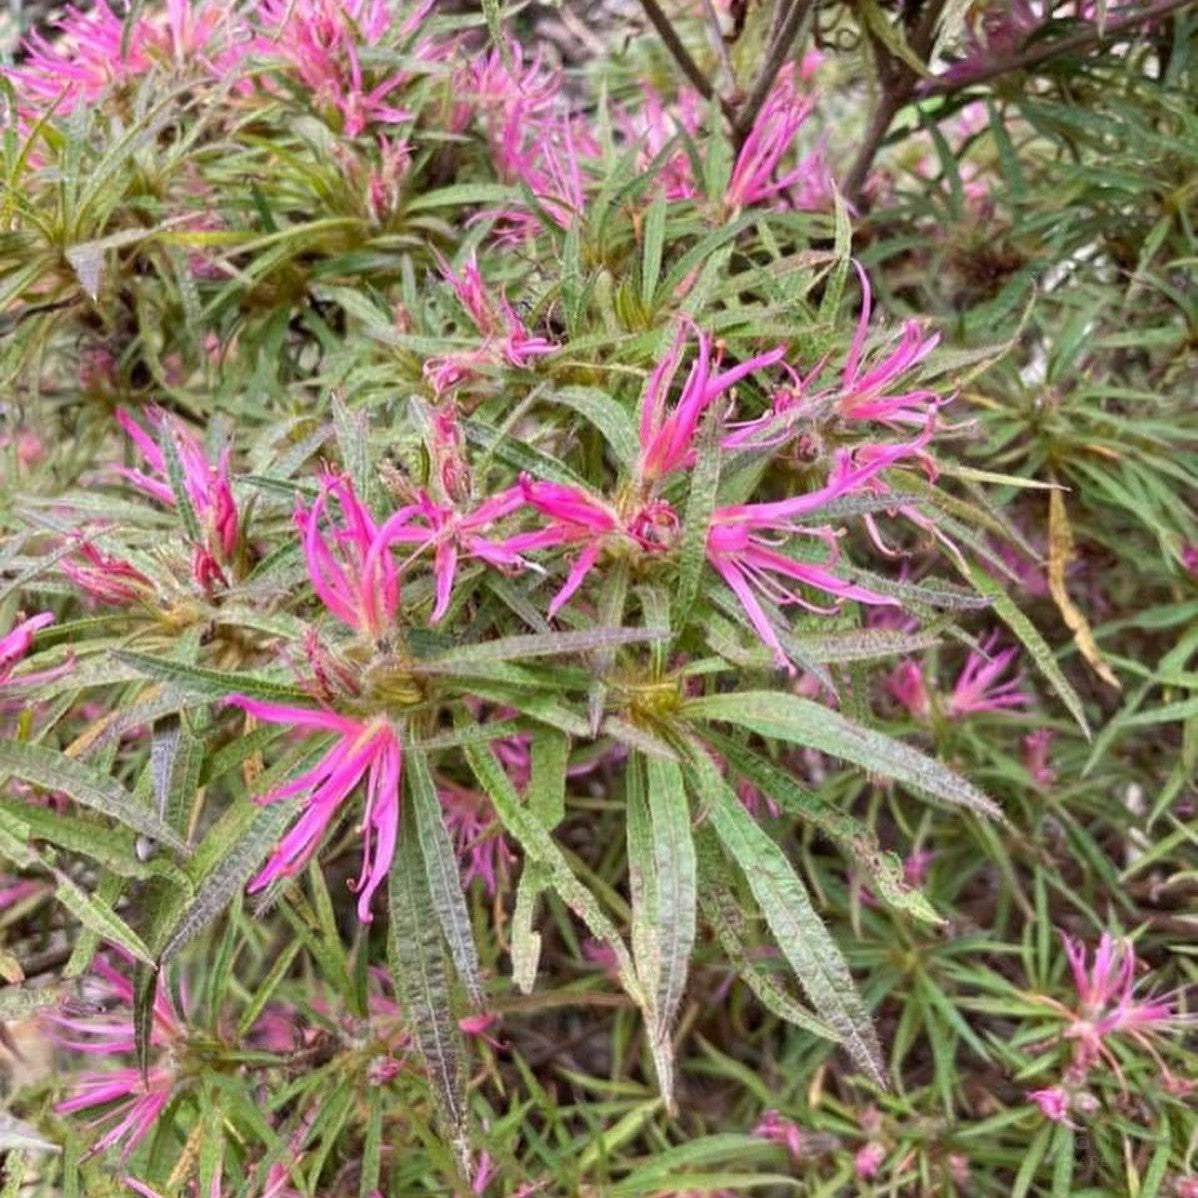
(418, 968)
(800, 933)
(1038, 648)
(444, 877)
(217, 684)
(700, 503)
(99, 919)
(781, 716)
(536, 841)
(513, 648)
(675, 887)
(56, 772)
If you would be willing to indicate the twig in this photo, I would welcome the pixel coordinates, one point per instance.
(777, 53)
(1081, 40)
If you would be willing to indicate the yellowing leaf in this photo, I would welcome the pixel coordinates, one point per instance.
(1060, 553)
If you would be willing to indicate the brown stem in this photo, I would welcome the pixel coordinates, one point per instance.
(1082, 40)
(785, 32)
(680, 54)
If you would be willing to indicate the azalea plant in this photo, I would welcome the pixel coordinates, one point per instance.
(574, 623)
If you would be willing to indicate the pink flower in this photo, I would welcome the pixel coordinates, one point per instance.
(906, 684)
(994, 32)
(978, 687)
(739, 551)
(869, 1160)
(369, 749)
(107, 579)
(89, 51)
(140, 1101)
(652, 124)
(1035, 756)
(322, 40)
(208, 488)
(350, 563)
(755, 173)
(1053, 1103)
(786, 1133)
(450, 534)
(505, 337)
(477, 835)
(15, 644)
(1107, 1003)
(578, 517)
(667, 441)
(864, 390)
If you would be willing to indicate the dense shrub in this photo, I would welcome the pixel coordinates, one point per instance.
(613, 628)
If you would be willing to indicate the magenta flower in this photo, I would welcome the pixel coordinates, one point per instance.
(667, 441)
(1053, 1103)
(864, 391)
(505, 336)
(105, 578)
(322, 40)
(755, 178)
(89, 51)
(775, 1128)
(349, 562)
(367, 749)
(15, 644)
(140, 1101)
(1107, 1002)
(451, 535)
(477, 836)
(906, 684)
(995, 32)
(868, 1161)
(1035, 756)
(652, 124)
(979, 687)
(580, 518)
(208, 488)
(576, 517)
(740, 550)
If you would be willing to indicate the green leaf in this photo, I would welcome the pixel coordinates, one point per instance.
(441, 867)
(731, 925)
(515, 648)
(422, 984)
(798, 930)
(655, 236)
(99, 919)
(526, 943)
(216, 684)
(1038, 648)
(56, 772)
(534, 838)
(675, 891)
(700, 503)
(606, 415)
(238, 842)
(786, 717)
(858, 839)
